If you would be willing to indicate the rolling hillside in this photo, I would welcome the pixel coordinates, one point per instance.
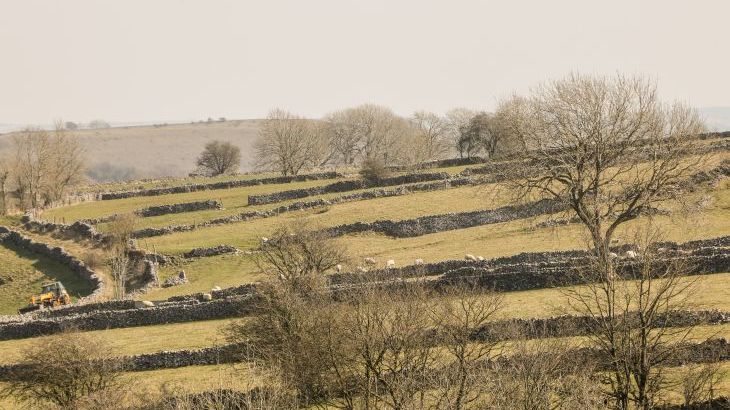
(166, 150)
(449, 215)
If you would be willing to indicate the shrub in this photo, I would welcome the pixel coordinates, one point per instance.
(374, 170)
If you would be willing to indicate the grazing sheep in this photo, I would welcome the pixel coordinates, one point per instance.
(390, 264)
(207, 297)
(216, 289)
(419, 262)
(612, 255)
(369, 261)
(631, 254)
(264, 239)
(470, 257)
(480, 258)
(338, 268)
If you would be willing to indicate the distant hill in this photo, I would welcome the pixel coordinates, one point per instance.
(163, 150)
(717, 118)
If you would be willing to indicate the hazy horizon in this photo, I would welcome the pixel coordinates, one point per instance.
(181, 61)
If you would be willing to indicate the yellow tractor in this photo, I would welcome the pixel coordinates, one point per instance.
(52, 295)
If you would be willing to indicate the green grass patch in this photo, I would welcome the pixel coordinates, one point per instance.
(23, 274)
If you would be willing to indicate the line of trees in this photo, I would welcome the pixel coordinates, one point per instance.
(289, 143)
(40, 168)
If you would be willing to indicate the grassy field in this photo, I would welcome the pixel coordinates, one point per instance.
(247, 234)
(232, 199)
(710, 292)
(713, 291)
(23, 274)
(137, 340)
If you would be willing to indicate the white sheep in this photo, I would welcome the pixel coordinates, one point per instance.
(207, 297)
(216, 289)
(390, 264)
(631, 254)
(480, 258)
(470, 257)
(264, 239)
(338, 268)
(419, 261)
(369, 261)
(612, 255)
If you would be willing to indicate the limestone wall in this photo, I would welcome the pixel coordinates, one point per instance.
(344, 186)
(219, 185)
(59, 255)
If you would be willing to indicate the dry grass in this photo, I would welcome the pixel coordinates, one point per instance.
(137, 340)
(25, 272)
(232, 199)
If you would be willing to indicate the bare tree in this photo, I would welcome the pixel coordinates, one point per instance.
(457, 121)
(120, 230)
(631, 317)
(70, 125)
(98, 124)
(296, 332)
(33, 153)
(461, 312)
(219, 158)
(541, 374)
(364, 131)
(46, 165)
(297, 253)
(288, 143)
(484, 132)
(61, 370)
(67, 163)
(388, 330)
(606, 147)
(700, 383)
(4, 175)
(434, 130)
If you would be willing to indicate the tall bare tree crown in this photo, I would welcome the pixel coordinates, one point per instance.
(606, 146)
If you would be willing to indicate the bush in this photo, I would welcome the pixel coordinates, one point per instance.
(374, 170)
(93, 259)
(64, 370)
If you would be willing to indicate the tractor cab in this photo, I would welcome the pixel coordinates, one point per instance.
(56, 288)
(52, 295)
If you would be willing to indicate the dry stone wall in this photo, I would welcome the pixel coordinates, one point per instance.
(441, 163)
(518, 272)
(446, 222)
(115, 317)
(344, 186)
(302, 205)
(77, 230)
(179, 208)
(59, 255)
(709, 351)
(213, 251)
(219, 185)
(535, 270)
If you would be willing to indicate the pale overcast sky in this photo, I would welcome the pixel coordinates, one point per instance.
(152, 60)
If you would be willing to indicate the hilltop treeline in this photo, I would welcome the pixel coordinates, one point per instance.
(289, 143)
